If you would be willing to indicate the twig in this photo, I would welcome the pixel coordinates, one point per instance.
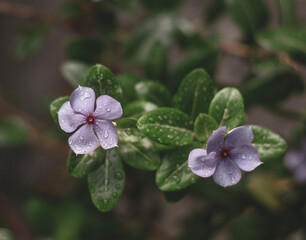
(14, 219)
(245, 51)
(26, 12)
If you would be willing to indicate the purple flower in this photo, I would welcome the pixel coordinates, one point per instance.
(295, 161)
(95, 125)
(225, 156)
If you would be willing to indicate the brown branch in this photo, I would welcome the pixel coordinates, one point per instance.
(36, 129)
(26, 12)
(14, 220)
(245, 51)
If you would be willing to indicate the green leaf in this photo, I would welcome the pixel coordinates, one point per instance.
(82, 165)
(268, 144)
(153, 92)
(84, 49)
(167, 126)
(141, 155)
(103, 82)
(250, 15)
(269, 68)
(173, 173)
(290, 40)
(5, 234)
(198, 57)
(161, 28)
(156, 64)
(127, 130)
(204, 126)
(287, 11)
(107, 182)
(272, 89)
(195, 93)
(227, 108)
(56, 105)
(12, 132)
(137, 108)
(127, 83)
(74, 72)
(30, 39)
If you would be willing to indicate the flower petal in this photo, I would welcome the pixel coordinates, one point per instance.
(293, 159)
(108, 108)
(239, 136)
(299, 173)
(227, 173)
(201, 164)
(107, 134)
(216, 140)
(83, 140)
(246, 157)
(82, 100)
(68, 119)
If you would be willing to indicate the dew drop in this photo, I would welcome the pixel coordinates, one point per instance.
(81, 137)
(243, 157)
(118, 186)
(108, 109)
(115, 195)
(106, 134)
(100, 107)
(85, 96)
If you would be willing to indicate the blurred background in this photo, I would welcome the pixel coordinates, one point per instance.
(46, 46)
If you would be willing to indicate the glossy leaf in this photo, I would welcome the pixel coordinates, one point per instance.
(290, 40)
(74, 72)
(12, 132)
(153, 92)
(56, 105)
(107, 182)
(138, 108)
(227, 108)
(269, 144)
(203, 127)
(140, 155)
(82, 165)
(173, 173)
(127, 130)
(167, 126)
(103, 82)
(84, 49)
(195, 93)
(250, 15)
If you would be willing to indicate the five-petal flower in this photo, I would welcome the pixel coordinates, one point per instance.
(95, 124)
(225, 156)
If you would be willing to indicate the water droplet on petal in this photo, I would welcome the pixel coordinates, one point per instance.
(106, 134)
(85, 96)
(81, 137)
(108, 109)
(243, 157)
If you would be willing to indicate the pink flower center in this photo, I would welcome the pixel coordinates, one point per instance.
(90, 119)
(224, 153)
